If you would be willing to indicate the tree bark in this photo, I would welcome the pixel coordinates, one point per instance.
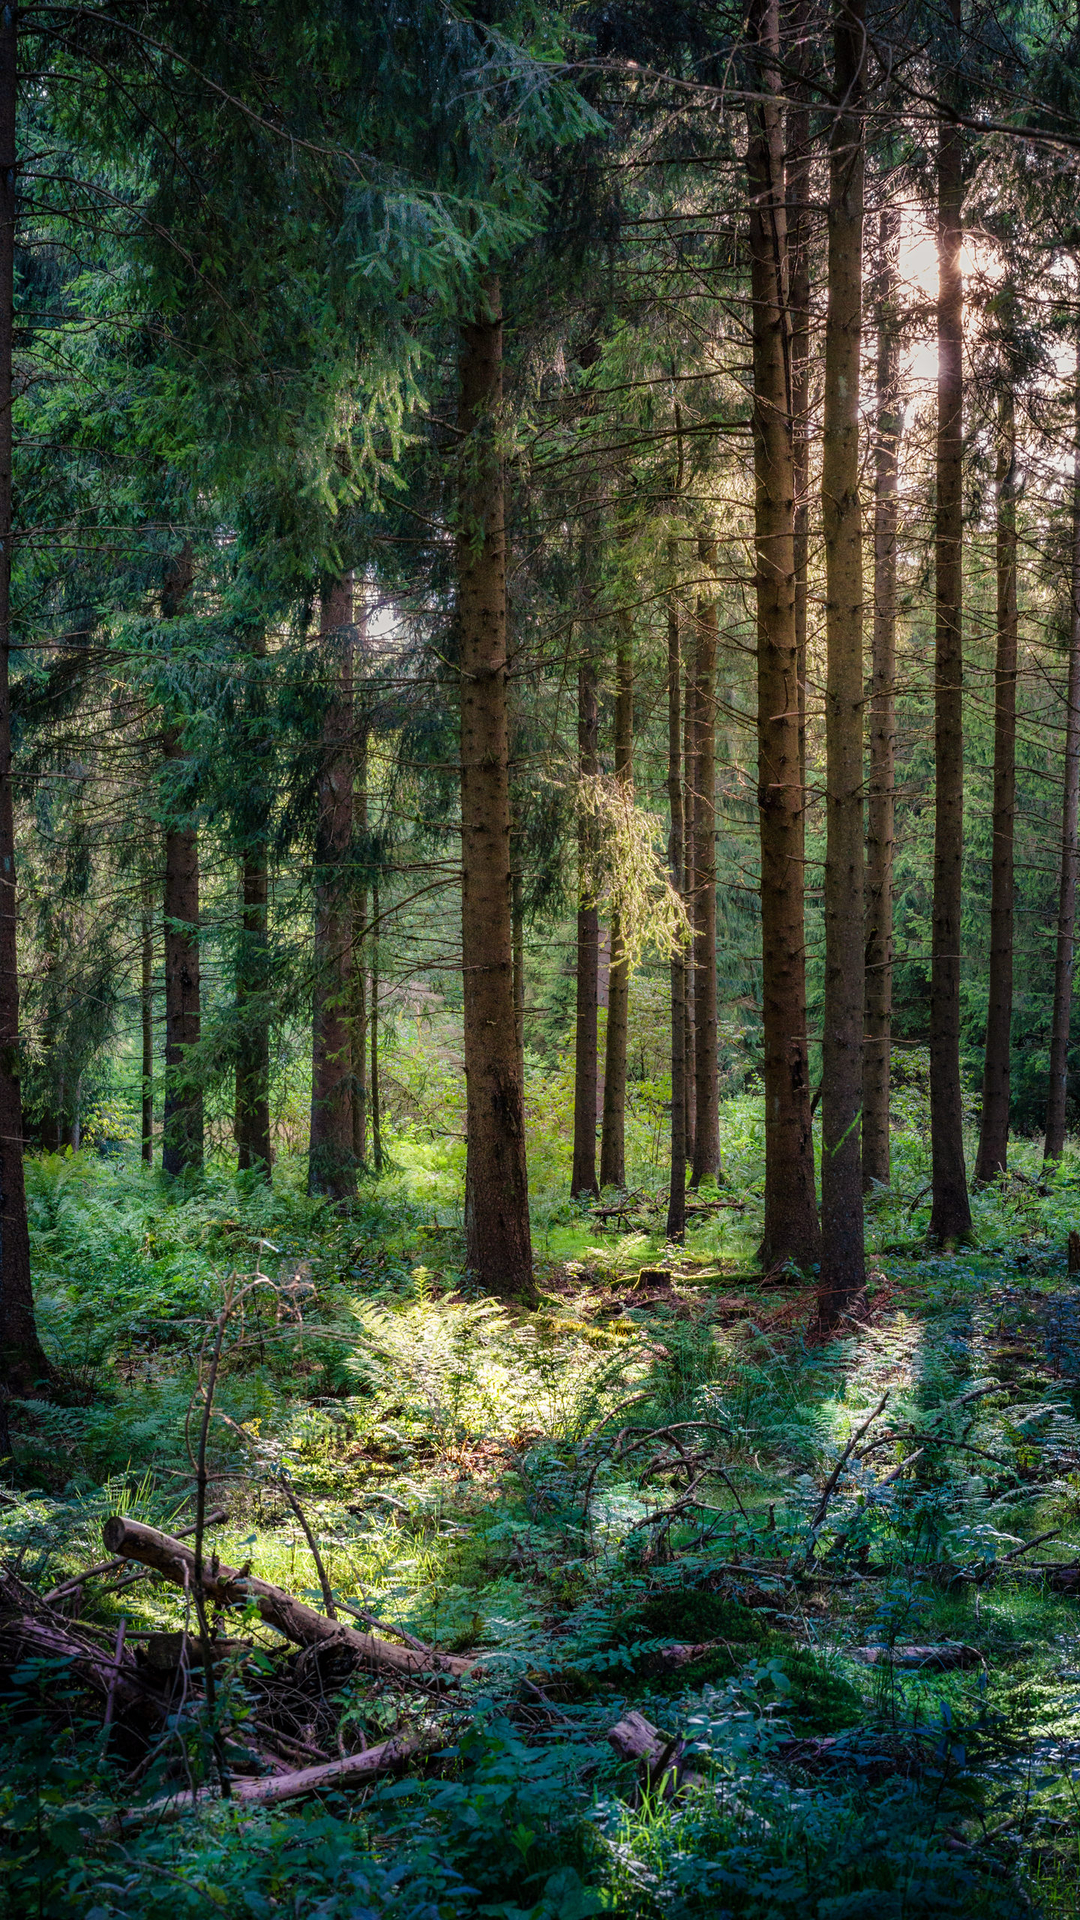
(791, 1229)
(22, 1360)
(182, 1123)
(583, 1176)
(843, 1258)
(253, 1018)
(252, 1121)
(498, 1241)
(146, 1011)
(881, 811)
(689, 830)
(1070, 849)
(706, 1164)
(798, 237)
(331, 1167)
(373, 1019)
(950, 1216)
(676, 1214)
(613, 1128)
(359, 1008)
(994, 1131)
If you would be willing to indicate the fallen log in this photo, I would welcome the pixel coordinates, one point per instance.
(950, 1654)
(230, 1587)
(118, 1679)
(113, 1566)
(356, 1770)
(658, 1760)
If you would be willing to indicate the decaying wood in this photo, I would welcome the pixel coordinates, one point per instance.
(658, 1759)
(114, 1566)
(230, 1587)
(356, 1770)
(117, 1680)
(951, 1653)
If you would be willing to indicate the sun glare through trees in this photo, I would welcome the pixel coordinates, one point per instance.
(539, 847)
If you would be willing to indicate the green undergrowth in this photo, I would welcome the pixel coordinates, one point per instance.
(614, 1502)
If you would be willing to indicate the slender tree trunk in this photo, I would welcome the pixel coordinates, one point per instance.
(499, 1246)
(613, 1130)
(146, 1010)
(689, 832)
(798, 238)
(676, 1214)
(791, 1229)
(1070, 850)
(359, 1010)
(882, 796)
(182, 1125)
(994, 1131)
(22, 1360)
(252, 1111)
(950, 1217)
(376, 1098)
(253, 1019)
(843, 1258)
(331, 1168)
(707, 1088)
(583, 1178)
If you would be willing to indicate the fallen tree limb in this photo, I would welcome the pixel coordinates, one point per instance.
(113, 1566)
(117, 1680)
(230, 1587)
(356, 1770)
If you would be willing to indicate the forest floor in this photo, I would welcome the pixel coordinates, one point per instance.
(839, 1584)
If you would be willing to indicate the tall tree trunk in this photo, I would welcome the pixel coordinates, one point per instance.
(253, 1018)
(359, 1008)
(994, 1131)
(146, 1011)
(22, 1360)
(498, 1241)
(1070, 852)
(252, 1114)
(331, 1167)
(583, 1177)
(881, 811)
(689, 831)
(676, 1214)
(182, 1124)
(376, 1097)
(843, 1258)
(791, 1229)
(950, 1216)
(517, 915)
(706, 1071)
(613, 1129)
(798, 239)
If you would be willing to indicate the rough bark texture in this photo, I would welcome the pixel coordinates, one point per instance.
(253, 1019)
(359, 1008)
(229, 1587)
(689, 827)
(843, 1260)
(706, 1161)
(499, 1248)
(182, 1125)
(676, 1214)
(331, 1167)
(881, 810)
(583, 1176)
(252, 1116)
(799, 246)
(373, 1021)
(950, 1216)
(146, 1013)
(22, 1361)
(1070, 852)
(994, 1132)
(791, 1225)
(613, 1129)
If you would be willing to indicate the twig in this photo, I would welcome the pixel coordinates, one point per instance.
(831, 1483)
(327, 1593)
(110, 1698)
